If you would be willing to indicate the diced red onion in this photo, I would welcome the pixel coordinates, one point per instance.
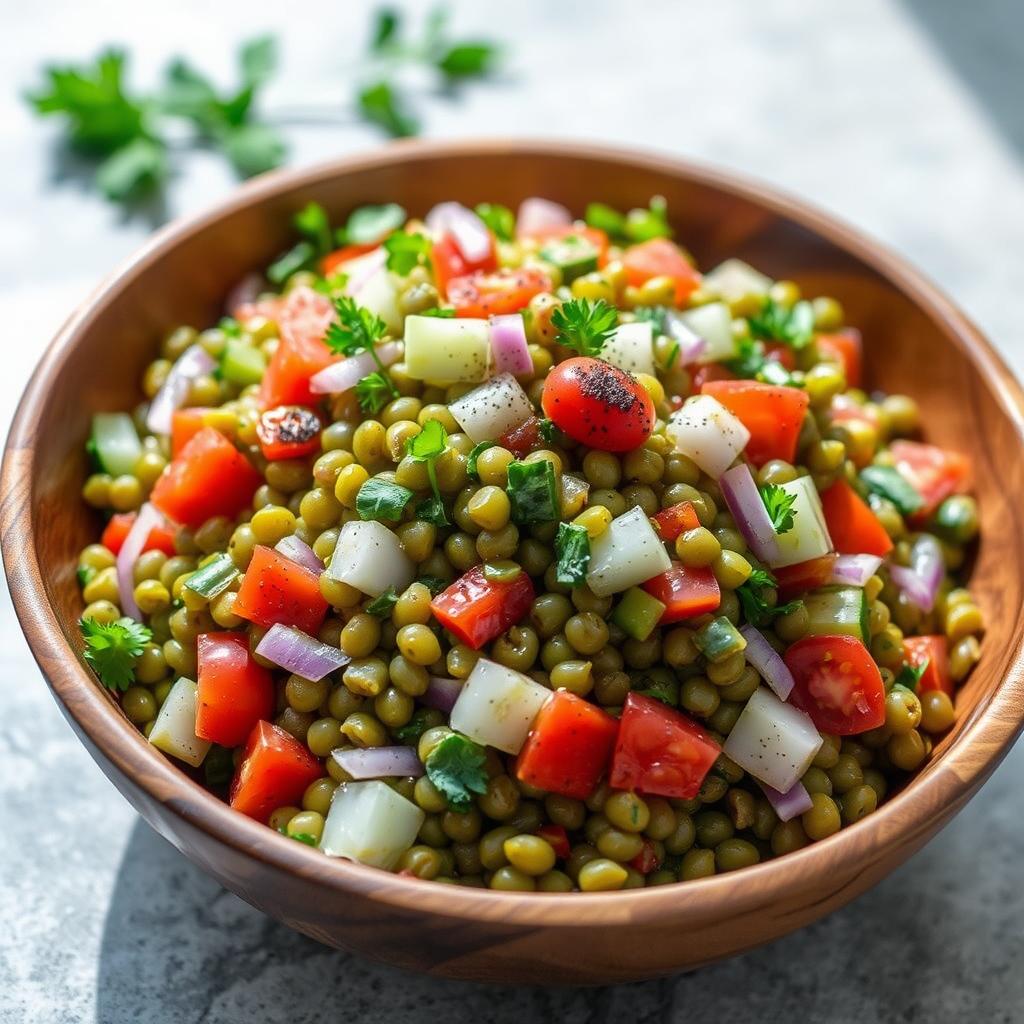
(768, 662)
(441, 693)
(244, 293)
(379, 762)
(300, 552)
(747, 508)
(365, 267)
(345, 374)
(918, 591)
(537, 215)
(470, 233)
(927, 561)
(691, 345)
(508, 344)
(192, 363)
(788, 805)
(297, 652)
(854, 570)
(147, 518)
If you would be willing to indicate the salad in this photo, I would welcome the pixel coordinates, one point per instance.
(511, 550)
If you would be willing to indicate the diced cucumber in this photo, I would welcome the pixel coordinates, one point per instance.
(438, 349)
(116, 442)
(835, 611)
(638, 613)
(242, 363)
(574, 256)
(718, 639)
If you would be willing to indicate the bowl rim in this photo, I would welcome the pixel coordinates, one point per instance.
(901, 822)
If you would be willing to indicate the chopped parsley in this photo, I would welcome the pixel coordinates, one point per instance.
(776, 322)
(85, 574)
(533, 492)
(441, 312)
(427, 446)
(475, 454)
(456, 768)
(572, 550)
(910, 675)
(415, 727)
(382, 500)
(888, 482)
(660, 687)
(374, 391)
(381, 606)
(754, 364)
(358, 330)
(756, 609)
(381, 105)
(312, 225)
(433, 583)
(779, 504)
(500, 219)
(584, 325)
(406, 251)
(112, 648)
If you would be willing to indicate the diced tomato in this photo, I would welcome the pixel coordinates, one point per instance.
(674, 520)
(837, 683)
(208, 477)
(524, 439)
(491, 293)
(185, 424)
(931, 649)
(276, 589)
(772, 414)
(844, 347)
(301, 352)
(935, 473)
(595, 236)
(449, 263)
(659, 751)
(275, 771)
(476, 610)
(568, 747)
(335, 259)
(234, 692)
(685, 592)
(161, 538)
(705, 373)
(658, 257)
(598, 404)
(853, 527)
(288, 432)
(557, 838)
(647, 860)
(792, 580)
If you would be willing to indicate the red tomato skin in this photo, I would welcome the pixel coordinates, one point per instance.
(568, 747)
(797, 579)
(335, 259)
(935, 473)
(847, 349)
(659, 751)
(705, 373)
(277, 590)
(273, 429)
(647, 860)
(685, 592)
(838, 669)
(853, 527)
(301, 352)
(598, 404)
(274, 771)
(449, 263)
(772, 414)
(185, 424)
(676, 519)
(161, 538)
(933, 649)
(658, 257)
(523, 439)
(492, 293)
(557, 838)
(234, 692)
(208, 477)
(476, 610)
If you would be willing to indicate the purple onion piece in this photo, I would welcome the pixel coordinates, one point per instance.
(536, 215)
(300, 653)
(192, 363)
(345, 374)
(916, 589)
(147, 518)
(788, 805)
(442, 693)
(300, 552)
(747, 508)
(470, 233)
(379, 762)
(854, 570)
(508, 344)
(768, 662)
(691, 345)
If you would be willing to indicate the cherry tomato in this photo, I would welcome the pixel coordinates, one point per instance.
(335, 259)
(508, 290)
(674, 520)
(288, 432)
(449, 263)
(525, 438)
(276, 589)
(598, 404)
(685, 591)
(115, 533)
(837, 683)
(476, 609)
(234, 692)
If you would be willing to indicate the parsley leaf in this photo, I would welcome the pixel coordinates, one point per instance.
(500, 219)
(367, 225)
(431, 510)
(433, 583)
(639, 225)
(779, 504)
(381, 606)
(752, 363)
(533, 492)
(475, 453)
(585, 325)
(910, 675)
(84, 574)
(312, 224)
(140, 165)
(775, 322)
(427, 446)
(658, 316)
(756, 610)
(385, 27)
(889, 482)
(379, 104)
(415, 727)
(374, 391)
(456, 768)
(382, 500)
(112, 649)
(467, 60)
(355, 330)
(440, 312)
(406, 251)
(572, 550)
(660, 688)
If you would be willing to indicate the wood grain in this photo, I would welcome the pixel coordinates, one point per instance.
(917, 342)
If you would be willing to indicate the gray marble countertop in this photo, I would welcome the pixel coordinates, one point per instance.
(904, 117)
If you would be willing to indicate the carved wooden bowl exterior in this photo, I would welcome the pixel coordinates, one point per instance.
(917, 342)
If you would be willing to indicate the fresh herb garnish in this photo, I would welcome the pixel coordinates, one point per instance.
(381, 606)
(533, 492)
(572, 550)
(431, 510)
(456, 768)
(639, 225)
(374, 391)
(657, 315)
(779, 504)
(357, 330)
(475, 453)
(888, 482)
(406, 250)
(500, 219)
(753, 363)
(303, 837)
(85, 574)
(427, 446)
(756, 609)
(910, 675)
(776, 322)
(584, 325)
(112, 648)
(369, 224)
(433, 583)
(442, 313)
(660, 688)
(414, 728)
(382, 500)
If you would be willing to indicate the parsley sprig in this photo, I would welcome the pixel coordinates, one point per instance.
(757, 610)
(428, 446)
(406, 250)
(358, 330)
(112, 648)
(456, 767)
(779, 504)
(776, 322)
(585, 325)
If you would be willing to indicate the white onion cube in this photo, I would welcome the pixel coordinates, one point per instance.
(627, 553)
(369, 557)
(492, 409)
(713, 323)
(708, 433)
(174, 731)
(370, 823)
(447, 349)
(497, 705)
(631, 347)
(808, 537)
(773, 741)
(734, 280)
(379, 295)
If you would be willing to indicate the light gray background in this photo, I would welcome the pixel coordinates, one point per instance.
(905, 118)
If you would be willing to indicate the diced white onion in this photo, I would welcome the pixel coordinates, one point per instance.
(369, 557)
(536, 215)
(734, 279)
(174, 731)
(808, 537)
(631, 347)
(492, 409)
(708, 433)
(452, 349)
(713, 323)
(370, 823)
(628, 552)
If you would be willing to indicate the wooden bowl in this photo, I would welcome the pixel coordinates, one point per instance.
(917, 342)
